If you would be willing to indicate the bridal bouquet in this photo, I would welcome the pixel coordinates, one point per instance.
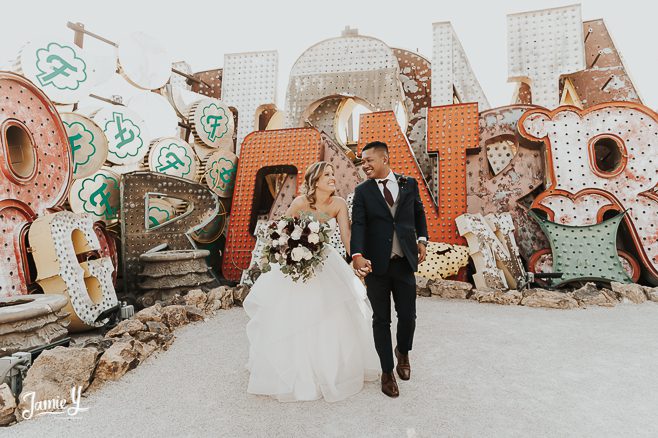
(296, 244)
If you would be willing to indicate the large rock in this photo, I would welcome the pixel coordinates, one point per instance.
(196, 298)
(55, 373)
(547, 298)
(652, 294)
(153, 313)
(194, 314)
(450, 289)
(129, 326)
(158, 335)
(240, 292)
(121, 357)
(226, 297)
(510, 297)
(422, 286)
(632, 292)
(7, 405)
(590, 295)
(174, 316)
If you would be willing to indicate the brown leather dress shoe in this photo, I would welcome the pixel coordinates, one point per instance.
(389, 385)
(403, 367)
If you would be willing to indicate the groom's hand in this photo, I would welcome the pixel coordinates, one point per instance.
(362, 266)
(422, 252)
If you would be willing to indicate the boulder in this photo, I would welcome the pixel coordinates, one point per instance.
(153, 313)
(226, 297)
(510, 297)
(450, 289)
(129, 326)
(240, 292)
(121, 357)
(632, 292)
(196, 298)
(194, 314)
(422, 286)
(652, 294)
(547, 298)
(7, 405)
(174, 316)
(590, 295)
(213, 301)
(55, 373)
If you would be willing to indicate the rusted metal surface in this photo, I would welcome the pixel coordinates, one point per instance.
(137, 237)
(452, 75)
(279, 151)
(542, 261)
(358, 66)
(210, 83)
(605, 78)
(493, 249)
(36, 166)
(107, 241)
(249, 81)
(542, 46)
(612, 147)
(416, 79)
(323, 116)
(517, 176)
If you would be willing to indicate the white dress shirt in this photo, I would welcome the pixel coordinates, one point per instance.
(391, 185)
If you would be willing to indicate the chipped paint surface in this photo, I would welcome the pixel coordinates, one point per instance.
(493, 250)
(509, 189)
(443, 260)
(571, 137)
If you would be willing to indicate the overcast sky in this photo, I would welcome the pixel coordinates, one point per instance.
(202, 31)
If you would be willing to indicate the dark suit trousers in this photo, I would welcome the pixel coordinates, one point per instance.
(401, 282)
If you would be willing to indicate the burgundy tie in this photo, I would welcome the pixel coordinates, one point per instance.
(387, 193)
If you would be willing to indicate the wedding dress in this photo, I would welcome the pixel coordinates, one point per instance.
(310, 340)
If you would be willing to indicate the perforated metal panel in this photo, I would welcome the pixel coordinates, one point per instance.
(451, 70)
(443, 260)
(36, 170)
(586, 190)
(137, 238)
(350, 66)
(585, 253)
(452, 131)
(278, 150)
(511, 188)
(249, 81)
(543, 45)
(211, 83)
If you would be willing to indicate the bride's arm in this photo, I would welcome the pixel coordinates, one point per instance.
(343, 220)
(294, 208)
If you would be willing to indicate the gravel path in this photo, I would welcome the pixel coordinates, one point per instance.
(478, 370)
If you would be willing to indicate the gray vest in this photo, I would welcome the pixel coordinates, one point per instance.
(396, 249)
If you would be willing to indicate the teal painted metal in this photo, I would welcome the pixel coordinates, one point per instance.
(587, 253)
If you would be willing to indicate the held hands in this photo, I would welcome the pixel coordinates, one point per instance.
(362, 266)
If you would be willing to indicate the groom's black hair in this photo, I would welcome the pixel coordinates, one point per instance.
(375, 145)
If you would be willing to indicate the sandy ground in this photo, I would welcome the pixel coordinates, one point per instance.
(478, 370)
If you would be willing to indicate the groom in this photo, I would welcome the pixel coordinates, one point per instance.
(389, 235)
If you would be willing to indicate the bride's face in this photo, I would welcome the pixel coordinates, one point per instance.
(327, 181)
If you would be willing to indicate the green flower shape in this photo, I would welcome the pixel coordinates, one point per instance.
(174, 160)
(95, 194)
(82, 144)
(214, 121)
(125, 135)
(60, 66)
(153, 222)
(222, 174)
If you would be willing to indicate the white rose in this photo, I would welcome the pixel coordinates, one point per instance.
(313, 238)
(298, 253)
(314, 227)
(275, 242)
(308, 255)
(283, 239)
(296, 233)
(281, 225)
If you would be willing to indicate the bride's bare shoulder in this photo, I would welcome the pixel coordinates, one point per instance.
(299, 202)
(338, 201)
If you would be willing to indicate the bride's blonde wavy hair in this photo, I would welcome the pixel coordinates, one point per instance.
(311, 177)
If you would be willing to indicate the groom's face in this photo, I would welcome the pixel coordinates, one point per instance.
(375, 163)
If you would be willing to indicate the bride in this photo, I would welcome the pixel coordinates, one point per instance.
(312, 340)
